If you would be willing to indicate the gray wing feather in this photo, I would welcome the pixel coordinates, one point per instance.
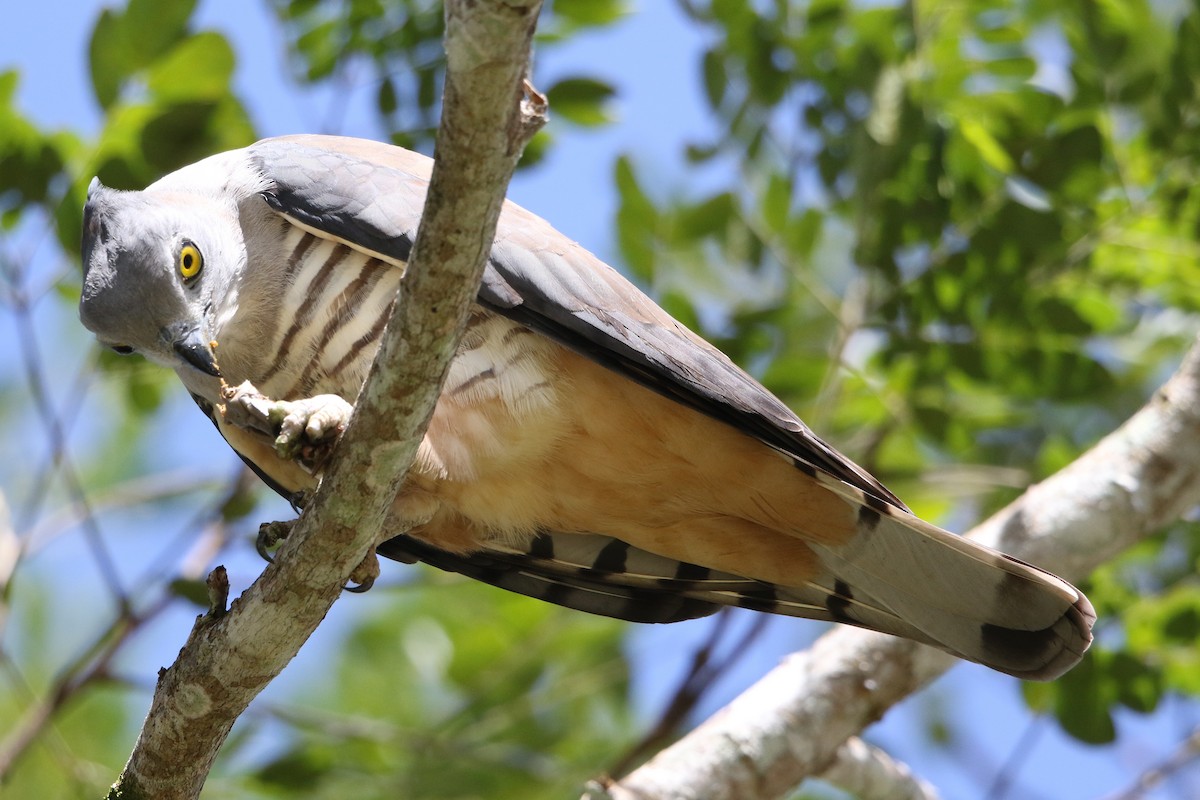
(370, 195)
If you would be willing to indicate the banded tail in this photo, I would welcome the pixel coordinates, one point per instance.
(899, 576)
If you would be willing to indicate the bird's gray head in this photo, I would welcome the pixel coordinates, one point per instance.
(158, 271)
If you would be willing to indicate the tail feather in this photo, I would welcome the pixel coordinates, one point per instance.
(580, 559)
(528, 575)
(898, 576)
(982, 606)
(975, 602)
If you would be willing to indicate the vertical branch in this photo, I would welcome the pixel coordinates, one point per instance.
(228, 660)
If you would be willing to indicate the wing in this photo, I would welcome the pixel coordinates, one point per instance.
(881, 573)
(369, 195)
(563, 568)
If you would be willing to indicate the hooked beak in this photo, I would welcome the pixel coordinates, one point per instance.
(193, 349)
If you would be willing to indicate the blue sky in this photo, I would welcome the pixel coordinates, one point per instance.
(653, 60)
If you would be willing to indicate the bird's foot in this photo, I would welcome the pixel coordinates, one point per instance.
(309, 428)
(270, 534)
(364, 575)
(304, 430)
(247, 408)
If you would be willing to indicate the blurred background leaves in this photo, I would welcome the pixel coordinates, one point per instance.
(959, 238)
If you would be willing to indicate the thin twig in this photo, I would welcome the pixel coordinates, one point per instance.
(701, 676)
(1022, 750)
(56, 435)
(1186, 753)
(93, 663)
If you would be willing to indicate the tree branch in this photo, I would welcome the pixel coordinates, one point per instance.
(868, 773)
(228, 660)
(1138, 478)
(1186, 753)
(94, 663)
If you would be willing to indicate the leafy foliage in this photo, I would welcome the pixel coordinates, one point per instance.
(1016, 203)
(460, 712)
(959, 238)
(398, 47)
(165, 90)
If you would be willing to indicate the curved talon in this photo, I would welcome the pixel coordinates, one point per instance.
(364, 575)
(360, 588)
(260, 546)
(271, 534)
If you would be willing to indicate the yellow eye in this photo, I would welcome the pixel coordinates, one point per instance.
(190, 261)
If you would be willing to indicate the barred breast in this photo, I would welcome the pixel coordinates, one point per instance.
(338, 300)
(498, 407)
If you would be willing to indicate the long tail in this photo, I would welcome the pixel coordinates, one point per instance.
(899, 576)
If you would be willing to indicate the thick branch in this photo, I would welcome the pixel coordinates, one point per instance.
(229, 659)
(868, 773)
(1142, 476)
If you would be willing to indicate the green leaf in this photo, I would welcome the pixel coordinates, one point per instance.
(733, 14)
(1139, 686)
(590, 13)
(699, 153)
(825, 13)
(298, 769)
(427, 86)
(716, 79)
(294, 9)
(637, 221)
(321, 49)
(803, 234)
(143, 383)
(1059, 315)
(1039, 696)
(989, 149)
(155, 26)
(240, 503)
(9, 80)
(708, 217)
(1015, 67)
(194, 591)
(108, 59)
(177, 135)
(581, 100)
(198, 69)
(27, 164)
(1183, 624)
(777, 202)
(537, 148)
(1082, 704)
(386, 99)
(124, 43)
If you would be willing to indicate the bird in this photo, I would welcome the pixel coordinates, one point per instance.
(586, 449)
